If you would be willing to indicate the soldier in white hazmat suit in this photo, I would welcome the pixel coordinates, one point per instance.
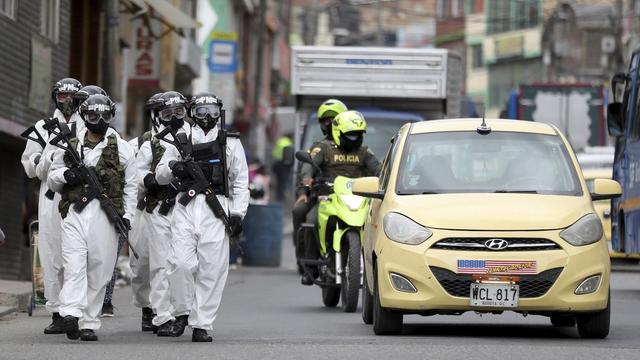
(154, 227)
(89, 240)
(36, 160)
(199, 253)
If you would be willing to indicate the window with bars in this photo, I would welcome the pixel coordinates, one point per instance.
(476, 53)
(9, 8)
(506, 15)
(50, 19)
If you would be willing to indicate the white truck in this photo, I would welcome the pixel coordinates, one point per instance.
(390, 86)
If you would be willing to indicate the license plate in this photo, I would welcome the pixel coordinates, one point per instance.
(494, 295)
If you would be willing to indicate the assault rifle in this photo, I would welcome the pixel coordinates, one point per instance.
(200, 184)
(27, 134)
(94, 189)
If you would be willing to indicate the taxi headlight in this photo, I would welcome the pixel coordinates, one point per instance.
(352, 202)
(585, 231)
(401, 229)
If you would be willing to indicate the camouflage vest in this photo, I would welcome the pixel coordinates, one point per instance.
(144, 138)
(164, 192)
(109, 171)
(339, 162)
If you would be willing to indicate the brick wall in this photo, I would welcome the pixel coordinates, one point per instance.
(15, 66)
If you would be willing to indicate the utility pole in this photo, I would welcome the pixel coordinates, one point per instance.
(257, 128)
(111, 48)
(379, 37)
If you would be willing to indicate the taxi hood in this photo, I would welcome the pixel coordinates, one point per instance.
(504, 212)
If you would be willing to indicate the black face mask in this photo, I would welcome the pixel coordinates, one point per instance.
(350, 143)
(326, 130)
(100, 128)
(176, 123)
(207, 123)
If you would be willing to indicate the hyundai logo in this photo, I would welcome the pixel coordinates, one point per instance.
(496, 244)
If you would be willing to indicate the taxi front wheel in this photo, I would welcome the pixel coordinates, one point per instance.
(595, 325)
(385, 322)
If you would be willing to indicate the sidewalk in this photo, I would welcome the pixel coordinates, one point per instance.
(14, 295)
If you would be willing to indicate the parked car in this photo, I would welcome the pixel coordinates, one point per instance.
(486, 217)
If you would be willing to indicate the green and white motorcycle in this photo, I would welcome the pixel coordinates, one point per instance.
(338, 235)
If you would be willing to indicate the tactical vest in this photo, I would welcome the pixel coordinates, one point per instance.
(208, 156)
(339, 162)
(164, 191)
(109, 171)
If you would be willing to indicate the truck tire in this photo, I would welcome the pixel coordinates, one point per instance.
(367, 302)
(385, 322)
(595, 325)
(350, 288)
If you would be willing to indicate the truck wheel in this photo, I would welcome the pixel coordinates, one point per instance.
(385, 322)
(563, 321)
(595, 325)
(330, 296)
(351, 271)
(367, 302)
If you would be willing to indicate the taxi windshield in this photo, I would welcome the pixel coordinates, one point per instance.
(500, 162)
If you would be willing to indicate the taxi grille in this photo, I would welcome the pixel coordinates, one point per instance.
(477, 244)
(530, 285)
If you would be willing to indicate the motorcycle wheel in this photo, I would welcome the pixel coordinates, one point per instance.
(351, 271)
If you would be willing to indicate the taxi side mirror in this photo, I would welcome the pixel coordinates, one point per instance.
(367, 187)
(604, 189)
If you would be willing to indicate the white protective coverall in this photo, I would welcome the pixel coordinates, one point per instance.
(49, 221)
(139, 267)
(198, 261)
(153, 234)
(89, 241)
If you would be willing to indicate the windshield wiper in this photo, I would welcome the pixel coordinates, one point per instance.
(516, 191)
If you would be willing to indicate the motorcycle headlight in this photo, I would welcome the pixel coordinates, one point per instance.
(353, 202)
(401, 229)
(585, 231)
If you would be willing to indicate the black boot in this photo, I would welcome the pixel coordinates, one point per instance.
(177, 329)
(147, 317)
(154, 329)
(56, 326)
(306, 279)
(165, 329)
(70, 324)
(200, 335)
(88, 335)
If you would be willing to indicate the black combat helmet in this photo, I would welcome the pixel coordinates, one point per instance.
(83, 94)
(62, 95)
(172, 109)
(151, 109)
(205, 110)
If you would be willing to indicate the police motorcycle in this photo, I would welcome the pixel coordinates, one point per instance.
(339, 234)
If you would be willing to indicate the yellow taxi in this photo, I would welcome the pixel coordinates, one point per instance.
(492, 216)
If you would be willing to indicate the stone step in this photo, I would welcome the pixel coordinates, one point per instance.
(15, 294)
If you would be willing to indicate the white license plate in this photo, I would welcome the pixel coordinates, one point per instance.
(494, 295)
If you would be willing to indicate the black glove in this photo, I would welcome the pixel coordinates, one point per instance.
(150, 183)
(127, 223)
(179, 169)
(73, 176)
(235, 223)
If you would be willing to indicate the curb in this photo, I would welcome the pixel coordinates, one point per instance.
(7, 310)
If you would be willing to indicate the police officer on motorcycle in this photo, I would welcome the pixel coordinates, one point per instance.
(342, 155)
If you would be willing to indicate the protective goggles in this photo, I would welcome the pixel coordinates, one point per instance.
(168, 113)
(64, 97)
(95, 117)
(201, 111)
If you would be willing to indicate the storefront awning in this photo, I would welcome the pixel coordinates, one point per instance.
(172, 15)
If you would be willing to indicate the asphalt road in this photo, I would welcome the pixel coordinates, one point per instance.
(266, 314)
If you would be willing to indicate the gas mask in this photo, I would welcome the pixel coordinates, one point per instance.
(99, 127)
(206, 116)
(64, 103)
(173, 117)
